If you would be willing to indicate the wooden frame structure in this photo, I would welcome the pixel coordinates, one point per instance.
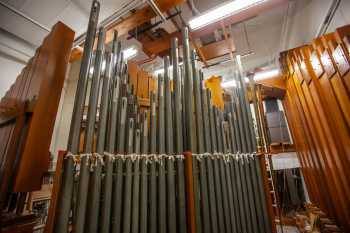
(27, 116)
(318, 110)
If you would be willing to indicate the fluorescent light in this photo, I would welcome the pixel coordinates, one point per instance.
(228, 84)
(222, 11)
(129, 53)
(266, 74)
(258, 76)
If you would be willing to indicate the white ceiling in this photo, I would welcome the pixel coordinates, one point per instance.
(263, 40)
(74, 13)
(264, 31)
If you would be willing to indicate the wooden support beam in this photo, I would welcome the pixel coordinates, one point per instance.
(206, 52)
(275, 82)
(158, 46)
(217, 49)
(139, 17)
(55, 192)
(199, 50)
(191, 212)
(132, 21)
(272, 92)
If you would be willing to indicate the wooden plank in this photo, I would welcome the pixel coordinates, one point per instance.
(333, 124)
(319, 145)
(319, 176)
(35, 159)
(318, 107)
(162, 44)
(335, 88)
(135, 19)
(55, 192)
(139, 17)
(11, 148)
(239, 17)
(218, 49)
(339, 45)
(21, 227)
(191, 218)
(327, 143)
(265, 179)
(277, 82)
(206, 52)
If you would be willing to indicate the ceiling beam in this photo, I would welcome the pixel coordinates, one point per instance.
(207, 52)
(132, 21)
(218, 49)
(199, 50)
(246, 14)
(274, 82)
(139, 17)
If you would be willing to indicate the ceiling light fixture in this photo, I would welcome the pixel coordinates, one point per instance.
(129, 53)
(222, 11)
(257, 77)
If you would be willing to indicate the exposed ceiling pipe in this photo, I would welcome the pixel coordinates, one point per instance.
(333, 7)
(26, 17)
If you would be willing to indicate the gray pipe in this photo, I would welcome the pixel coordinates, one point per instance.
(79, 102)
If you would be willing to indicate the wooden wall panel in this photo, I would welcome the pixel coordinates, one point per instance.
(318, 108)
(143, 83)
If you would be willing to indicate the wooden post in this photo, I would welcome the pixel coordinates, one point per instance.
(191, 213)
(267, 191)
(55, 192)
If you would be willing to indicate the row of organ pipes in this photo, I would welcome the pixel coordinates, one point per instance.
(133, 180)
